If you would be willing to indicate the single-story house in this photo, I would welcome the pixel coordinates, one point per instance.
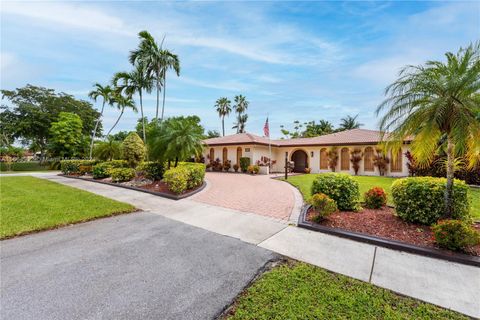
(308, 152)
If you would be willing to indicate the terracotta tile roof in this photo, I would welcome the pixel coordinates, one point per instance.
(354, 136)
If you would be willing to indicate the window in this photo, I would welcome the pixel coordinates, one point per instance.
(368, 159)
(225, 155)
(323, 159)
(344, 159)
(247, 149)
(396, 165)
(212, 154)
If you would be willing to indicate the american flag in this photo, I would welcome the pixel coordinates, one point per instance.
(266, 129)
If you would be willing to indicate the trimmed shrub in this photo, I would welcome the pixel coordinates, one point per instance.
(323, 206)
(341, 187)
(421, 199)
(133, 149)
(375, 198)
(102, 170)
(25, 166)
(151, 170)
(455, 235)
(73, 166)
(176, 179)
(256, 169)
(122, 174)
(196, 174)
(244, 163)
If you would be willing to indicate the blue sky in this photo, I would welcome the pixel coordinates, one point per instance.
(292, 60)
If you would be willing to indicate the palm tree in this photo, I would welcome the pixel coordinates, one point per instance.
(157, 62)
(349, 123)
(241, 106)
(241, 122)
(108, 150)
(223, 109)
(133, 82)
(105, 92)
(433, 100)
(122, 102)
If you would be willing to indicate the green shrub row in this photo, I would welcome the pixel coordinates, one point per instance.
(187, 175)
(151, 170)
(102, 170)
(25, 166)
(77, 166)
(422, 199)
(121, 174)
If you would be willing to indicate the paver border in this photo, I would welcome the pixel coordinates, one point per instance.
(387, 243)
(164, 195)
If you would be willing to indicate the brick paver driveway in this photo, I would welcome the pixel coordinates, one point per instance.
(256, 194)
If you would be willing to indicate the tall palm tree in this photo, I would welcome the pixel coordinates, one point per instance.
(223, 109)
(241, 106)
(108, 150)
(433, 100)
(105, 92)
(241, 123)
(133, 82)
(349, 123)
(122, 102)
(157, 61)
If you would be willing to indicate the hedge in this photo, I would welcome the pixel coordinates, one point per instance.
(422, 199)
(122, 174)
(185, 176)
(151, 170)
(26, 166)
(341, 187)
(102, 170)
(77, 166)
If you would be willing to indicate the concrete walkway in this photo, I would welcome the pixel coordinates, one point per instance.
(446, 284)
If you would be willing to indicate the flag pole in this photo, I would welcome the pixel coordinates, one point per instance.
(269, 148)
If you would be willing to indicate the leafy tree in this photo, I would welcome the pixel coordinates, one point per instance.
(133, 149)
(122, 102)
(349, 123)
(108, 150)
(212, 134)
(312, 129)
(223, 108)
(66, 135)
(105, 92)
(157, 61)
(433, 100)
(241, 106)
(119, 136)
(135, 81)
(32, 110)
(176, 138)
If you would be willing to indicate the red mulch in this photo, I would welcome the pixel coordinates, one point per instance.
(384, 224)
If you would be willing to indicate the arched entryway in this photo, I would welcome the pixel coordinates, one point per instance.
(239, 155)
(300, 160)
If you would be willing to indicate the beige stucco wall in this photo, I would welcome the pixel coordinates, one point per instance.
(313, 155)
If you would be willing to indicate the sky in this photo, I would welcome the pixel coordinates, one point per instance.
(292, 60)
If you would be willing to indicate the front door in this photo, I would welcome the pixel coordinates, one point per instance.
(299, 159)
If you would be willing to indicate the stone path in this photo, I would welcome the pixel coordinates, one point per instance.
(250, 193)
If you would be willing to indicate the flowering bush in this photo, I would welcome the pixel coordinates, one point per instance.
(341, 187)
(375, 198)
(455, 235)
(323, 206)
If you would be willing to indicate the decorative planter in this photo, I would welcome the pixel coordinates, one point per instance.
(264, 170)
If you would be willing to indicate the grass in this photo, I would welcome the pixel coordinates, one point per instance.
(302, 291)
(304, 182)
(31, 204)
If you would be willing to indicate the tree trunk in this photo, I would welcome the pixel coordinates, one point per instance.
(158, 98)
(143, 118)
(223, 125)
(169, 162)
(450, 173)
(176, 161)
(95, 130)
(164, 87)
(116, 122)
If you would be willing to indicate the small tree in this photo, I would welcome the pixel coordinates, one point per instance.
(133, 149)
(381, 161)
(355, 158)
(66, 135)
(332, 155)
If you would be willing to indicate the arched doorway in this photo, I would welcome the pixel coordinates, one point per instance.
(225, 155)
(300, 160)
(212, 154)
(239, 155)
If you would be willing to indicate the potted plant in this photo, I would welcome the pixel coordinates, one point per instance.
(236, 167)
(308, 170)
(355, 158)
(227, 164)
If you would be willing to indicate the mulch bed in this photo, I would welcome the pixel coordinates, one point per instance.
(384, 224)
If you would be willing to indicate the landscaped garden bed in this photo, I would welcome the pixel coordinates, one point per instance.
(416, 224)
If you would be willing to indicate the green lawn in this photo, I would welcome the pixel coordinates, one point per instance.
(303, 183)
(30, 204)
(302, 291)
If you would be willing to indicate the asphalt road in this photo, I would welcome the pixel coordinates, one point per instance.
(137, 266)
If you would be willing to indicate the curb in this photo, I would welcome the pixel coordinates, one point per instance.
(163, 195)
(387, 243)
